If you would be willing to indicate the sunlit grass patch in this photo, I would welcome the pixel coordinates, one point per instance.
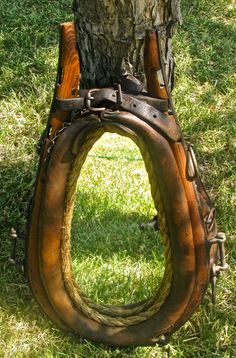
(113, 259)
(107, 241)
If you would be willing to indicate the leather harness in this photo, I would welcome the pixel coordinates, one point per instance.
(194, 251)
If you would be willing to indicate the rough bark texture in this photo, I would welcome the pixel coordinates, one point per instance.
(111, 36)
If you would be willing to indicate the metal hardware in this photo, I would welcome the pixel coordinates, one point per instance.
(51, 143)
(213, 284)
(220, 241)
(40, 143)
(152, 224)
(192, 166)
(13, 259)
(161, 340)
(210, 220)
(119, 98)
(217, 268)
(88, 102)
(56, 135)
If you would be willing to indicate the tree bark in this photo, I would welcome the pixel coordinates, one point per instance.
(111, 37)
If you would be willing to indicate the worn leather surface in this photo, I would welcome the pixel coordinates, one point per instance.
(188, 241)
(137, 105)
(65, 85)
(50, 218)
(185, 204)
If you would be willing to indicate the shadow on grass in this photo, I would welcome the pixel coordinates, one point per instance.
(211, 42)
(29, 31)
(16, 302)
(208, 42)
(208, 36)
(15, 296)
(111, 230)
(17, 180)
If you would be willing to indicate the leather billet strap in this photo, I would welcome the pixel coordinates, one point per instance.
(149, 109)
(107, 95)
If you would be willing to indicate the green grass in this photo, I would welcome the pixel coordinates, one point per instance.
(108, 246)
(112, 257)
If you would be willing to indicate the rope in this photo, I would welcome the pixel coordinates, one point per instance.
(109, 314)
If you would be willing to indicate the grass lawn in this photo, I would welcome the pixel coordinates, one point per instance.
(114, 260)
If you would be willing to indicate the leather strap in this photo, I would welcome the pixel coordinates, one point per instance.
(137, 105)
(109, 95)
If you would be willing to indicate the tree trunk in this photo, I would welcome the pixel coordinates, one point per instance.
(111, 37)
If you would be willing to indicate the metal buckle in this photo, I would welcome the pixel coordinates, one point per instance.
(222, 266)
(88, 102)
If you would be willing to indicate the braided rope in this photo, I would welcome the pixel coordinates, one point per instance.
(109, 314)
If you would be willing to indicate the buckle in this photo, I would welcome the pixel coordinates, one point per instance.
(88, 102)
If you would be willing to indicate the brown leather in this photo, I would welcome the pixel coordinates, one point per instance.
(133, 104)
(49, 233)
(108, 95)
(152, 66)
(185, 206)
(199, 202)
(67, 82)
